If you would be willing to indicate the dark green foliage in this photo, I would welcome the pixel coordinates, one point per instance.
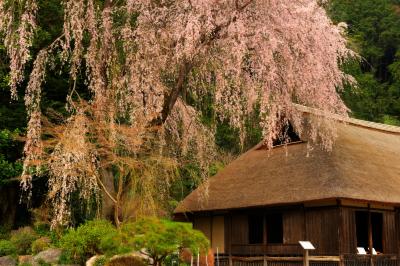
(9, 151)
(41, 262)
(227, 138)
(5, 232)
(374, 32)
(42, 228)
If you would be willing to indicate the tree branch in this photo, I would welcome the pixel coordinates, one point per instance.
(186, 67)
(243, 6)
(106, 191)
(171, 99)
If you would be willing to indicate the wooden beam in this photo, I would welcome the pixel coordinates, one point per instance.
(324, 258)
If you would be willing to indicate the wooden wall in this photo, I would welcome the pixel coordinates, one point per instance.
(213, 227)
(218, 233)
(331, 229)
(293, 226)
(293, 231)
(322, 229)
(390, 234)
(239, 229)
(348, 241)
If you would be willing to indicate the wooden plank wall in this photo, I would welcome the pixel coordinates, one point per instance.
(397, 215)
(322, 229)
(293, 226)
(228, 233)
(332, 230)
(348, 241)
(239, 229)
(389, 233)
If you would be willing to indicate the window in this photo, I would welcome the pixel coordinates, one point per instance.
(256, 229)
(287, 135)
(362, 229)
(363, 221)
(377, 230)
(274, 228)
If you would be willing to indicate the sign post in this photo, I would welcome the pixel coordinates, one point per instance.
(306, 245)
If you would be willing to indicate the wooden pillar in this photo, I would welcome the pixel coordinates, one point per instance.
(341, 260)
(230, 239)
(370, 242)
(306, 258)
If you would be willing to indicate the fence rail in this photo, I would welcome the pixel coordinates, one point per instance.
(346, 260)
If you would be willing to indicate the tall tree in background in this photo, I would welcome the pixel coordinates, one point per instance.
(373, 28)
(140, 59)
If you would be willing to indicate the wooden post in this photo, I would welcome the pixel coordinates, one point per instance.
(341, 260)
(306, 259)
(217, 257)
(230, 239)
(370, 242)
(265, 261)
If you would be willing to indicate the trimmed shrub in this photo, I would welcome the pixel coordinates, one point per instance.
(126, 260)
(40, 244)
(23, 239)
(7, 248)
(89, 239)
(163, 238)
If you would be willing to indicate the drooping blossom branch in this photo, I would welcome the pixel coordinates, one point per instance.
(19, 32)
(142, 56)
(72, 168)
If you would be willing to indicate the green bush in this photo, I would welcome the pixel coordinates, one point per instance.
(41, 262)
(94, 237)
(40, 244)
(162, 238)
(7, 248)
(23, 239)
(42, 229)
(156, 237)
(126, 260)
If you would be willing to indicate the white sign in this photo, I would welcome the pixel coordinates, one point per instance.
(374, 252)
(306, 245)
(361, 251)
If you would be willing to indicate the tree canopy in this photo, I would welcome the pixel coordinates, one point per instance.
(136, 86)
(374, 32)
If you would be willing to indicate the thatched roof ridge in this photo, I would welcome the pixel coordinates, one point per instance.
(364, 164)
(351, 121)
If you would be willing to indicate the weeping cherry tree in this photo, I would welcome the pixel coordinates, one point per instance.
(140, 57)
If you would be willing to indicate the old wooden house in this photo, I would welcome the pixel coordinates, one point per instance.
(264, 202)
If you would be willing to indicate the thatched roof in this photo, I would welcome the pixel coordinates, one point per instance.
(364, 164)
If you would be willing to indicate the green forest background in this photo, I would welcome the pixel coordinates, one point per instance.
(373, 31)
